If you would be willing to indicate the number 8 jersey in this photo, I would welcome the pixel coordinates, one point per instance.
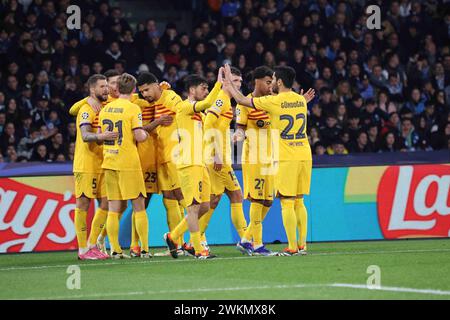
(121, 116)
(288, 112)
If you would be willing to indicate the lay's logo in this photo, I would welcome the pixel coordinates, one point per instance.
(414, 201)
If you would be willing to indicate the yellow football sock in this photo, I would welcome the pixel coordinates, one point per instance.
(98, 223)
(142, 228)
(265, 211)
(238, 218)
(203, 223)
(248, 234)
(181, 217)
(134, 234)
(289, 222)
(112, 226)
(302, 221)
(81, 228)
(104, 233)
(195, 239)
(181, 228)
(256, 222)
(173, 212)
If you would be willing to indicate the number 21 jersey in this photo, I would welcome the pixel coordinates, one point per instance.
(121, 116)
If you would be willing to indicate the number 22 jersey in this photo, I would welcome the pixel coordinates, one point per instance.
(288, 112)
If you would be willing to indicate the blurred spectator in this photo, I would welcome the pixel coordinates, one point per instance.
(367, 81)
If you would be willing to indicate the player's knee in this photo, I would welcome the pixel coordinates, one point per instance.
(169, 195)
(103, 204)
(236, 196)
(267, 203)
(83, 203)
(214, 202)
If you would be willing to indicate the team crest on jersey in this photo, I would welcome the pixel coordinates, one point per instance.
(85, 115)
(260, 123)
(219, 102)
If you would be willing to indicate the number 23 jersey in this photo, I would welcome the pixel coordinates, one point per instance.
(288, 112)
(121, 116)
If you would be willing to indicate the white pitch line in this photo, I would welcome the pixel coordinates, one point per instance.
(230, 289)
(392, 289)
(151, 261)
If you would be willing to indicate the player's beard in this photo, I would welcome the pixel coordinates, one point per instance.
(101, 98)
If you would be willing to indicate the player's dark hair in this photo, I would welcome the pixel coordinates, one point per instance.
(92, 81)
(146, 78)
(236, 71)
(262, 72)
(193, 80)
(111, 73)
(286, 75)
(127, 83)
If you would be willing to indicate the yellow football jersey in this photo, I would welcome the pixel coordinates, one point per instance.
(88, 155)
(167, 137)
(190, 128)
(121, 116)
(223, 113)
(257, 144)
(288, 112)
(146, 149)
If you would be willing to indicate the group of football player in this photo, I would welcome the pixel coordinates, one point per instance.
(131, 145)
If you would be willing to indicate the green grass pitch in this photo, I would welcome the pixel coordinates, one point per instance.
(410, 269)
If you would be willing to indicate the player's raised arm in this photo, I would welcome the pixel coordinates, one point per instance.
(237, 95)
(212, 96)
(73, 111)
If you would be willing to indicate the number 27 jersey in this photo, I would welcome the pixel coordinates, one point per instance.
(121, 116)
(288, 112)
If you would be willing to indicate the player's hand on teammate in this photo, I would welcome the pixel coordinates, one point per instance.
(309, 95)
(165, 85)
(108, 136)
(97, 106)
(165, 120)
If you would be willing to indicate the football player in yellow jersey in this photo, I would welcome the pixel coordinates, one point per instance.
(217, 140)
(121, 163)
(146, 151)
(194, 176)
(89, 177)
(292, 153)
(253, 127)
(165, 102)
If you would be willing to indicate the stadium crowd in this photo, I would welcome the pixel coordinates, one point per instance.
(379, 90)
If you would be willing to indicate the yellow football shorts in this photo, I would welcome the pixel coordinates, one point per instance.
(91, 185)
(258, 181)
(124, 185)
(293, 177)
(150, 179)
(167, 176)
(195, 184)
(223, 179)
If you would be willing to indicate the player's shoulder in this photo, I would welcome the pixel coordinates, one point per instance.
(171, 96)
(85, 111)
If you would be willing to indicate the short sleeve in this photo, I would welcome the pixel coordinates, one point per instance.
(266, 103)
(85, 116)
(136, 119)
(241, 115)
